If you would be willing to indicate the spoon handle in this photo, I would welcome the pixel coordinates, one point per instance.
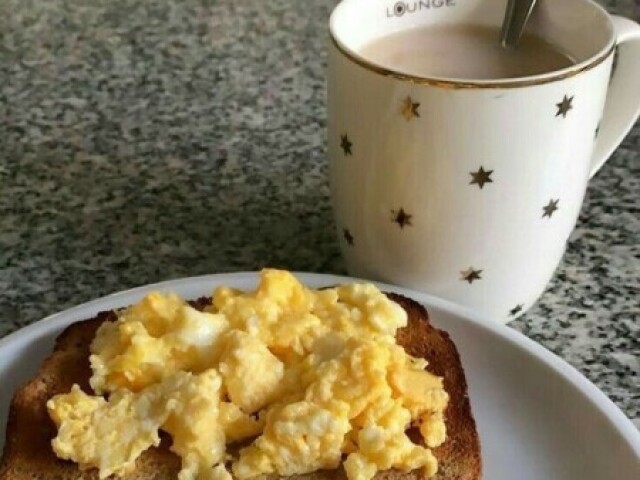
(515, 19)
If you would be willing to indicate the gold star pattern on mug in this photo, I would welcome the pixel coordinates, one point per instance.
(564, 106)
(402, 218)
(346, 144)
(550, 208)
(516, 310)
(470, 275)
(409, 109)
(347, 237)
(481, 177)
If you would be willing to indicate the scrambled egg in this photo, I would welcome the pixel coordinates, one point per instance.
(301, 377)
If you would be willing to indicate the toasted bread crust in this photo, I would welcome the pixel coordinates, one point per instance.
(28, 453)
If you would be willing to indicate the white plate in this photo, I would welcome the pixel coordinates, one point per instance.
(538, 418)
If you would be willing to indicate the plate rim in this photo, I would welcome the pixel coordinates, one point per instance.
(622, 424)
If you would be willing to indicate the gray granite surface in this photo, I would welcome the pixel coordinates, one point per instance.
(141, 141)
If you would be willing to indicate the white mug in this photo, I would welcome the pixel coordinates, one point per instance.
(469, 189)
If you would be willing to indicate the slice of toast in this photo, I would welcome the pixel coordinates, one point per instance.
(28, 453)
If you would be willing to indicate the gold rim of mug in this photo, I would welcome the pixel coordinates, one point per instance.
(455, 84)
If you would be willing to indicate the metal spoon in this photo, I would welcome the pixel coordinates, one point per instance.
(515, 19)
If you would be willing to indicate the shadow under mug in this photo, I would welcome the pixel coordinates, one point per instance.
(469, 189)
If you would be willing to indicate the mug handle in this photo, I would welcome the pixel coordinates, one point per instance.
(623, 99)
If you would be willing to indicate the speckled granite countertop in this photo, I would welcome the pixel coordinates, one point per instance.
(141, 141)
